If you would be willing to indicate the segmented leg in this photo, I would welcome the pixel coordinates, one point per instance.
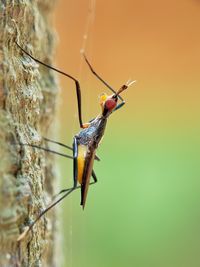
(91, 183)
(48, 150)
(66, 146)
(78, 90)
(44, 212)
(58, 143)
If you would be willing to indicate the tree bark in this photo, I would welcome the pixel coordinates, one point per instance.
(27, 106)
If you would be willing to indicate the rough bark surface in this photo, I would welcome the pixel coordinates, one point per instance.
(27, 105)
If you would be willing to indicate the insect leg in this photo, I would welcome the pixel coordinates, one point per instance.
(44, 212)
(65, 190)
(61, 144)
(55, 152)
(66, 156)
(78, 90)
(58, 143)
(54, 203)
(97, 158)
(94, 177)
(49, 150)
(97, 75)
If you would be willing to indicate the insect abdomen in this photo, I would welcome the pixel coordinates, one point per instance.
(82, 152)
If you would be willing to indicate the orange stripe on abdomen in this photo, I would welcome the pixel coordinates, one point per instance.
(82, 151)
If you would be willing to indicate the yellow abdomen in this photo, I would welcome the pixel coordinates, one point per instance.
(82, 151)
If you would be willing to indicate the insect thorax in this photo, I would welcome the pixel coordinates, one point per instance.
(92, 135)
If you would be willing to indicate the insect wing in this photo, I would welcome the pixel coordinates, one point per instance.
(89, 162)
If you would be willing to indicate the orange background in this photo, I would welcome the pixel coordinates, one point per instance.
(154, 42)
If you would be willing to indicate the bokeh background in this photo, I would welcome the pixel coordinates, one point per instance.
(144, 211)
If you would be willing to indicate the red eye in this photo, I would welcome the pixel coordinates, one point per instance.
(110, 104)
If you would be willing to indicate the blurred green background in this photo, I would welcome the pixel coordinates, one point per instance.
(144, 211)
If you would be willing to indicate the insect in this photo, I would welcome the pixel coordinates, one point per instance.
(86, 142)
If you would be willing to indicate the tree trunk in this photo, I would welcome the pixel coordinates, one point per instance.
(27, 106)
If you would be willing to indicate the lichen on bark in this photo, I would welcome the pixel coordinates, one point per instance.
(27, 107)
